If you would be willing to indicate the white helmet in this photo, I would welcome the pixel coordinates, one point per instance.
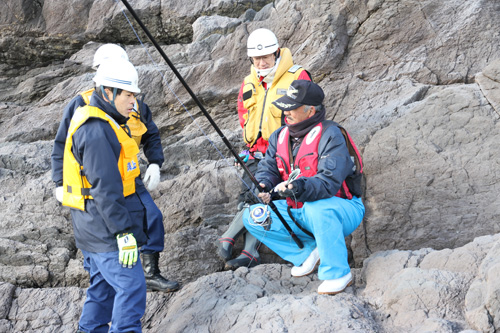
(117, 73)
(261, 42)
(108, 51)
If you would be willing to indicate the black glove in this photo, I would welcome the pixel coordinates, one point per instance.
(298, 188)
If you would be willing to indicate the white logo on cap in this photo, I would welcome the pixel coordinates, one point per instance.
(283, 105)
(291, 92)
(259, 47)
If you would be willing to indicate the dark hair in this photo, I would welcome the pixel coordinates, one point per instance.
(99, 91)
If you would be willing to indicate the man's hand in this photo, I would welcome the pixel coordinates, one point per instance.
(291, 189)
(264, 196)
(59, 193)
(284, 189)
(153, 176)
(127, 250)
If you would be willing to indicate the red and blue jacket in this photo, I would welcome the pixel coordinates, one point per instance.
(322, 156)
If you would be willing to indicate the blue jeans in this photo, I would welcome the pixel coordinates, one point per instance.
(154, 218)
(116, 294)
(329, 220)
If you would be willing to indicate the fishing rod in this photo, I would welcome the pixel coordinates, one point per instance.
(211, 121)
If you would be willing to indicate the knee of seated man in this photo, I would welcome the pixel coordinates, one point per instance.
(323, 204)
(245, 218)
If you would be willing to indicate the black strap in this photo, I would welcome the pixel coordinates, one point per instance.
(141, 116)
(126, 129)
(297, 224)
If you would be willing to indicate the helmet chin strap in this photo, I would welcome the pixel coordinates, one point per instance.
(112, 102)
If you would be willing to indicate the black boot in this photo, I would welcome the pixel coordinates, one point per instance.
(226, 242)
(154, 281)
(249, 257)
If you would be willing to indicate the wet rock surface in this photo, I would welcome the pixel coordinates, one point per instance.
(416, 84)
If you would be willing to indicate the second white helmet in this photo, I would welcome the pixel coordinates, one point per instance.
(261, 42)
(108, 51)
(117, 73)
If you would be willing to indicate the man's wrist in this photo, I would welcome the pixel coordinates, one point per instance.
(298, 186)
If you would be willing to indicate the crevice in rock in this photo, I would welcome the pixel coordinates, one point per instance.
(491, 320)
(489, 102)
(417, 96)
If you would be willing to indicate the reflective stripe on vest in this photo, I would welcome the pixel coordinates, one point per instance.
(263, 118)
(76, 188)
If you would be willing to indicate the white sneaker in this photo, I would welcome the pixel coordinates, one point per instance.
(335, 286)
(307, 266)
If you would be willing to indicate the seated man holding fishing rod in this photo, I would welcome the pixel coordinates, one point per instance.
(312, 165)
(271, 73)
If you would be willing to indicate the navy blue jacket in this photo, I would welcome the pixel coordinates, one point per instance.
(334, 165)
(151, 140)
(97, 148)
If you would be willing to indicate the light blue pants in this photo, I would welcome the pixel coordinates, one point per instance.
(116, 294)
(329, 220)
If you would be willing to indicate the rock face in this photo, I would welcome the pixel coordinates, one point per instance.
(395, 291)
(416, 83)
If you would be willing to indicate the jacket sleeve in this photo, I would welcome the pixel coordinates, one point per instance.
(334, 165)
(267, 172)
(241, 109)
(151, 140)
(304, 75)
(97, 148)
(60, 140)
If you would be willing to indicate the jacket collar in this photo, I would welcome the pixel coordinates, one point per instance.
(99, 102)
(284, 65)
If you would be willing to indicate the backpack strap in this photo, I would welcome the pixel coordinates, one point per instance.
(352, 185)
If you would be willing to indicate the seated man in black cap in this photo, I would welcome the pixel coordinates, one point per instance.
(320, 207)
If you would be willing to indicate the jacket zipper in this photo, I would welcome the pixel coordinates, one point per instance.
(298, 162)
(286, 166)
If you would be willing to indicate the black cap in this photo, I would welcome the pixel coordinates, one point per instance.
(300, 92)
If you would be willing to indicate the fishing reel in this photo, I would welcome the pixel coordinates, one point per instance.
(260, 215)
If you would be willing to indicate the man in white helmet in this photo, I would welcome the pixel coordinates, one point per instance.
(271, 74)
(99, 171)
(145, 132)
